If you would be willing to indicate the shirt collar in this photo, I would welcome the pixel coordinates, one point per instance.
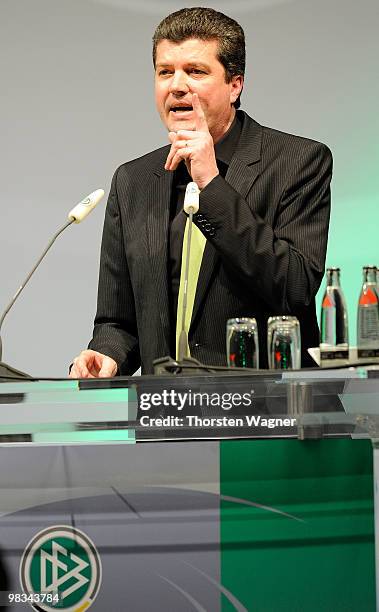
(224, 150)
(226, 147)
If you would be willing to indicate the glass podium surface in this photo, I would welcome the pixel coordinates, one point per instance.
(208, 492)
(315, 403)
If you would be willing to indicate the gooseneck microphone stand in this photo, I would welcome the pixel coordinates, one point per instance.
(76, 215)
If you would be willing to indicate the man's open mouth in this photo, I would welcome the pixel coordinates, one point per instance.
(181, 109)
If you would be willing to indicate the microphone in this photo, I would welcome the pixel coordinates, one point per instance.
(190, 206)
(76, 215)
(81, 210)
(191, 199)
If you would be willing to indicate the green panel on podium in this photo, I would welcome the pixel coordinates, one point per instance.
(297, 525)
(61, 412)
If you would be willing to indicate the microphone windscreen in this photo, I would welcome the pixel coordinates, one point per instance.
(81, 210)
(191, 198)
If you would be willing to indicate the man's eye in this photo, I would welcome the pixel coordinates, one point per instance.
(163, 72)
(197, 71)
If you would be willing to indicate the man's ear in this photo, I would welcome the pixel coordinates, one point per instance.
(236, 87)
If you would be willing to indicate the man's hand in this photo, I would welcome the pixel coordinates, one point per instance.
(91, 364)
(195, 147)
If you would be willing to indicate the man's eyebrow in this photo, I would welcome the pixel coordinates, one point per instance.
(197, 64)
(187, 64)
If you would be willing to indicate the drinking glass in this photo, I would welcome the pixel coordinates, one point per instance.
(283, 343)
(242, 347)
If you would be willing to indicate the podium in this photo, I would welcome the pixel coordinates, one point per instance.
(189, 504)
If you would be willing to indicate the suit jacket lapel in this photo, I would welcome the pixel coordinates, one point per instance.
(244, 167)
(158, 197)
(242, 172)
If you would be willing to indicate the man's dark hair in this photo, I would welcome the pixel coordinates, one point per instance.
(207, 24)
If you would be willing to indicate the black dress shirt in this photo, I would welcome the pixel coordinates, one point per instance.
(224, 151)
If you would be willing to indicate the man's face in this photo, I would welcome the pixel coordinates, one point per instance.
(192, 66)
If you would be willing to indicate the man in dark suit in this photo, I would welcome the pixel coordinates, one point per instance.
(264, 210)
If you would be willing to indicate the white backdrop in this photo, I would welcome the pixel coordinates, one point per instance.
(77, 100)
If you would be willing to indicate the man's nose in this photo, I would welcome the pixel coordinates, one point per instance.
(179, 82)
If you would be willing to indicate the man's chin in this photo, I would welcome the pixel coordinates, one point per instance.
(182, 123)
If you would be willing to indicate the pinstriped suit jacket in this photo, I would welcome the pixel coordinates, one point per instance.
(267, 227)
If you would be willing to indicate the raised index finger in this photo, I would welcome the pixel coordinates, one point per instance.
(200, 120)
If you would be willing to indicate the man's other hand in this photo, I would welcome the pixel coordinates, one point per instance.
(91, 364)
